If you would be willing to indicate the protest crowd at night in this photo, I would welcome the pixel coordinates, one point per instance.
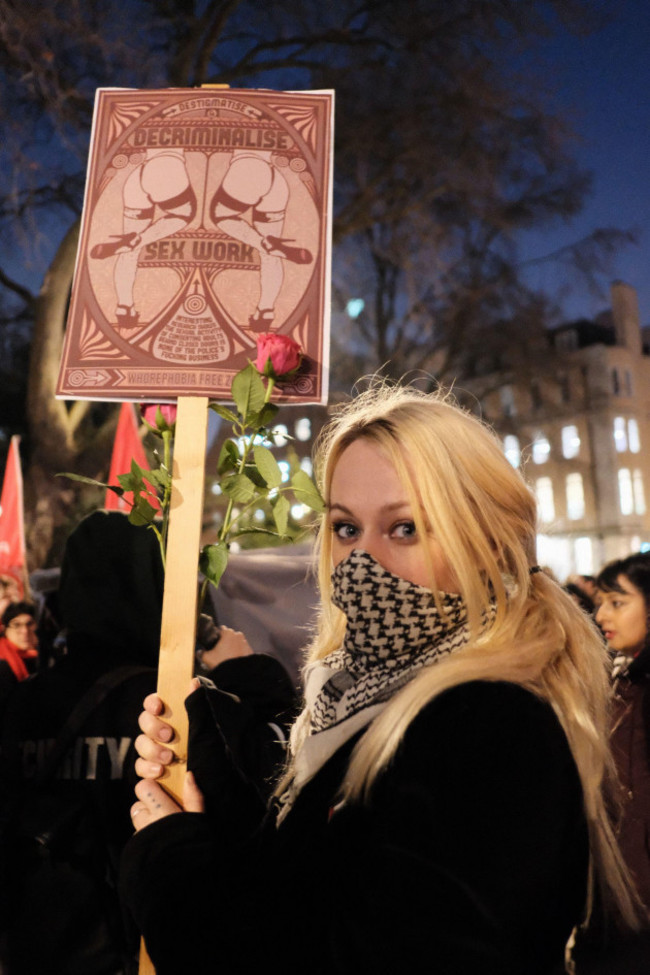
(324, 545)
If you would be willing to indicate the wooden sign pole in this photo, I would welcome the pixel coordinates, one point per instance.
(178, 632)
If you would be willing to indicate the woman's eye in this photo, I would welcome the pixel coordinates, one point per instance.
(344, 530)
(405, 529)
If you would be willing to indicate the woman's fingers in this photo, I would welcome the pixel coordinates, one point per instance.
(155, 727)
(152, 751)
(192, 796)
(151, 746)
(153, 704)
(153, 804)
(146, 769)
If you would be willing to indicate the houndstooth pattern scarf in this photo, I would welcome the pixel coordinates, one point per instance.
(393, 630)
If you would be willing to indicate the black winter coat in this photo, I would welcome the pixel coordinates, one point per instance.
(470, 857)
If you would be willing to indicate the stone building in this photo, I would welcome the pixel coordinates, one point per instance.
(577, 422)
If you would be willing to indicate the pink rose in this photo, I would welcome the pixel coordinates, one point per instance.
(277, 355)
(149, 413)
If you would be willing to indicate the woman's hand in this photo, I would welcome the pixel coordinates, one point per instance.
(151, 745)
(231, 643)
(154, 803)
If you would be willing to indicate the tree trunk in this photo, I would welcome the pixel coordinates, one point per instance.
(61, 436)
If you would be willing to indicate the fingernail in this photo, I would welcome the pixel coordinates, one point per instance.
(166, 734)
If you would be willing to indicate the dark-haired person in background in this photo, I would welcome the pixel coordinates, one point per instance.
(18, 646)
(622, 605)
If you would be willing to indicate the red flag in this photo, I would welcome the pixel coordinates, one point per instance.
(12, 525)
(127, 447)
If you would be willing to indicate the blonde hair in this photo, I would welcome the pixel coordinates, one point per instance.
(464, 491)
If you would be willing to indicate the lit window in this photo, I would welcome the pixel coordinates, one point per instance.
(570, 442)
(303, 428)
(620, 435)
(544, 494)
(298, 511)
(625, 495)
(512, 450)
(285, 470)
(575, 497)
(584, 556)
(633, 436)
(507, 401)
(541, 449)
(639, 492)
(307, 466)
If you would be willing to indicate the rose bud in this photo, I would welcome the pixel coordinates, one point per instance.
(277, 355)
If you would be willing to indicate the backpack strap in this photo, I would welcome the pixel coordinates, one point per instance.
(84, 707)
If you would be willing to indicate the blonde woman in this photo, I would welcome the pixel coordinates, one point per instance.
(444, 805)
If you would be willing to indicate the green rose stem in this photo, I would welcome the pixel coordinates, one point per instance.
(226, 526)
(167, 492)
(228, 520)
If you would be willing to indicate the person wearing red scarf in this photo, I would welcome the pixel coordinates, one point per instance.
(18, 642)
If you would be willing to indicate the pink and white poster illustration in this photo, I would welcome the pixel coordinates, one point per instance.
(207, 221)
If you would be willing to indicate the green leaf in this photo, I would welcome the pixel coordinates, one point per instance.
(90, 480)
(267, 465)
(136, 469)
(248, 391)
(306, 491)
(142, 513)
(281, 508)
(213, 561)
(267, 414)
(229, 457)
(263, 418)
(224, 412)
(239, 487)
(158, 478)
(251, 471)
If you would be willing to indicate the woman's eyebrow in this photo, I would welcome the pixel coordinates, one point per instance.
(390, 506)
(339, 507)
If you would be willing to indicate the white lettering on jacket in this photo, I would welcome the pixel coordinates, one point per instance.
(88, 758)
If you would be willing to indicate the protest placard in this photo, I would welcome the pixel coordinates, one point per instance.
(206, 222)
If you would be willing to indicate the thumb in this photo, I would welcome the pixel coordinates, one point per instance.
(192, 795)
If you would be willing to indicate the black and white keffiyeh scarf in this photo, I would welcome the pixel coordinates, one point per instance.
(393, 630)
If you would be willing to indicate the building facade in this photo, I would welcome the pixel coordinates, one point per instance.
(578, 427)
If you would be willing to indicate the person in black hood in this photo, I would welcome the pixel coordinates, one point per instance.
(110, 597)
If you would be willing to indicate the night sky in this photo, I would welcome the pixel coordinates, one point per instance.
(601, 84)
